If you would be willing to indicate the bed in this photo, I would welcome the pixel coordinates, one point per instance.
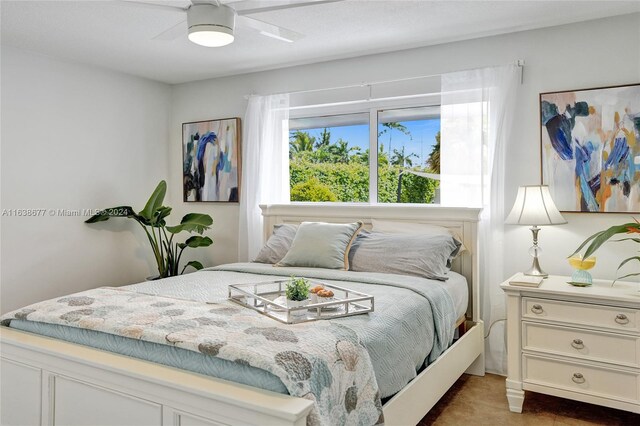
(45, 378)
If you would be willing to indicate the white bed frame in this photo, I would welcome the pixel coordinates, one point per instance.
(51, 382)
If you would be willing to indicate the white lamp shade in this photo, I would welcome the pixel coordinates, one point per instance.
(534, 206)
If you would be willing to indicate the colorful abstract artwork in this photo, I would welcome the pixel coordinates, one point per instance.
(591, 149)
(211, 160)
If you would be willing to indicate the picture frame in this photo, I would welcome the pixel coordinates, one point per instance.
(211, 160)
(590, 148)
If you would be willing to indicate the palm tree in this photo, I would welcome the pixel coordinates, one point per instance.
(400, 159)
(325, 139)
(383, 158)
(300, 142)
(433, 162)
(363, 156)
(388, 127)
(341, 150)
(320, 148)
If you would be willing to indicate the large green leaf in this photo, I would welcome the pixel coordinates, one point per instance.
(633, 274)
(603, 236)
(120, 211)
(637, 240)
(196, 241)
(585, 242)
(624, 262)
(154, 203)
(194, 264)
(192, 222)
(160, 214)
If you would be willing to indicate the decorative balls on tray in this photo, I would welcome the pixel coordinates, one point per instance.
(325, 293)
(320, 294)
(314, 293)
(316, 289)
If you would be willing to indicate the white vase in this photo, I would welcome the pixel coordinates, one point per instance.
(297, 304)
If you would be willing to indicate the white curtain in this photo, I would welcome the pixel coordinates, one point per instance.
(265, 167)
(476, 124)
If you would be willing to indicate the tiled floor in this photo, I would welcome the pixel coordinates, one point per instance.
(474, 400)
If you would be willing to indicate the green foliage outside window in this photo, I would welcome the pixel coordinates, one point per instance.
(312, 190)
(324, 171)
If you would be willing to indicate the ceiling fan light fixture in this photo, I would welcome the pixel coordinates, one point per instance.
(211, 25)
(211, 38)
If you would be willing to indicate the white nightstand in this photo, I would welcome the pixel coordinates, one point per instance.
(580, 343)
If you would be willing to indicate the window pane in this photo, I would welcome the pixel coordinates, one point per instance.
(409, 155)
(329, 158)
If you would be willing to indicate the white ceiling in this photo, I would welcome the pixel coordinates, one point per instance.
(119, 36)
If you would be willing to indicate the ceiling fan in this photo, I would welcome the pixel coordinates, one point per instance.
(211, 23)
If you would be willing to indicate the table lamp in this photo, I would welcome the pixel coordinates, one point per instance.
(534, 206)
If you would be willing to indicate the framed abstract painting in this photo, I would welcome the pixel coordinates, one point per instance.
(590, 148)
(211, 163)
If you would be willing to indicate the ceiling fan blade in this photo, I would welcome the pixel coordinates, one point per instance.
(178, 30)
(269, 30)
(155, 6)
(290, 5)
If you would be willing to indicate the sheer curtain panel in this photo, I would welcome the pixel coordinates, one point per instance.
(476, 124)
(265, 167)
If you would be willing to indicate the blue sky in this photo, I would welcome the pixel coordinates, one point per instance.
(421, 142)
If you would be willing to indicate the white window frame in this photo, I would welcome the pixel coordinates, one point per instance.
(372, 107)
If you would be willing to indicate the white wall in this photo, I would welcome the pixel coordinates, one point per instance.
(75, 137)
(590, 54)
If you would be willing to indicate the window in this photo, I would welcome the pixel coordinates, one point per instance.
(329, 156)
(408, 155)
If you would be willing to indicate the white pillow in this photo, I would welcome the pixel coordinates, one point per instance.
(392, 227)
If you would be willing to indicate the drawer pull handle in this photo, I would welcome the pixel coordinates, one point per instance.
(578, 378)
(622, 319)
(577, 343)
(536, 309)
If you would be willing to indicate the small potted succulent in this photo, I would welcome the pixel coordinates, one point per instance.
(297, 292)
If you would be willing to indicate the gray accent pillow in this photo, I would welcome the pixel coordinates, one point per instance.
(322, 245)
(421, 255)
(278, 244)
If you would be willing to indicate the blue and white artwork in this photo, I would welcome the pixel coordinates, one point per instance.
(591, 149)
(211, 160)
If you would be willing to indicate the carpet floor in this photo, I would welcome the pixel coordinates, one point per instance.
(474, 400)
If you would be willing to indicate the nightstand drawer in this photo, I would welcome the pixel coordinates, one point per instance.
(618, 349)
(603, 317)
(581, 378)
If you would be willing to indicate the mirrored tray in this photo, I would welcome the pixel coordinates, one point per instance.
(268, 299)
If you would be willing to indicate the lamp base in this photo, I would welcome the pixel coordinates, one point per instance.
(535, 270)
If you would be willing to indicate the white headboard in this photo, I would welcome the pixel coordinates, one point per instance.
(462, 220)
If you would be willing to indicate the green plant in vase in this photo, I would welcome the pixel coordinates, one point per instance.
(599, 238)
(297, 289)
(166, 252)
(297, 293)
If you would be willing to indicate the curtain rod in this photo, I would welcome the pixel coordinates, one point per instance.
(518, 63)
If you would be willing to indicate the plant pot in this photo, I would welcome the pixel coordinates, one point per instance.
(298, 304)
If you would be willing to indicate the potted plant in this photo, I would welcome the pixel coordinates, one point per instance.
(151, 218)
(601, 237)
(297, 293)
